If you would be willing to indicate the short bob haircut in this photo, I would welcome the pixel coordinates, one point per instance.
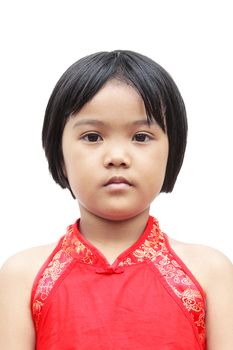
(81, 81)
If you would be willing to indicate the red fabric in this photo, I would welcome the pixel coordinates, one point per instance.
(80, 302)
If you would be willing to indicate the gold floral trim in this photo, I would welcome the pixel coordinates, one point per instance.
(56, 267)
(155, 249)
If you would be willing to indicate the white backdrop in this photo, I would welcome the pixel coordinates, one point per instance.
(191, 39)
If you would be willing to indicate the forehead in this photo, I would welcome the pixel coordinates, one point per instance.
(116, 100)
(116, 88)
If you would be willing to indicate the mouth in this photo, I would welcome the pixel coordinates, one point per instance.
(117, 181)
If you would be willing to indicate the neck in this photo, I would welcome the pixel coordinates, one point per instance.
(104, 232)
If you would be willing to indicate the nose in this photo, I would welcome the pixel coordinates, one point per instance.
(117, 157)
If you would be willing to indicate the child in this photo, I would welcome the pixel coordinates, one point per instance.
(114, 134)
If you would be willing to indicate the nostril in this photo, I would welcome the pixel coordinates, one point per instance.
(116, 162)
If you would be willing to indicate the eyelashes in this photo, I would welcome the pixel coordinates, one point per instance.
(94, 137)
(142, 137)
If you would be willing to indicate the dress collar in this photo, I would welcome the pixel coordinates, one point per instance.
(144, 248)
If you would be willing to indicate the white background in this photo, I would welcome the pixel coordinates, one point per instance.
(191, 39)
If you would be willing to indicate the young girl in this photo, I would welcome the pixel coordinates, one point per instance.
(115, 134)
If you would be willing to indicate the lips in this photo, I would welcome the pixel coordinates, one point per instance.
(117, 180)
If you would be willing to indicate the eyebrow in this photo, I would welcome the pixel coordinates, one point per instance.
(100, 122)
(88, 122)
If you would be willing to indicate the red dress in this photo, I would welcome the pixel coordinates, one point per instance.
(147, 299)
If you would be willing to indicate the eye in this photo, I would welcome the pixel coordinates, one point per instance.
(141, 137)
(92, 137)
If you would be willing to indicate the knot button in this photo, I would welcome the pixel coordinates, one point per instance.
(109, 270)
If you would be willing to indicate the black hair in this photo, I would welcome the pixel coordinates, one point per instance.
(82, 80)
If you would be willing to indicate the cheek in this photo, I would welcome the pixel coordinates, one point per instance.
(79, 172)
(163, 158)
(156, 169)
(159, 157)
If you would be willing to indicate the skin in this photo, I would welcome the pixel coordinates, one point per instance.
(110, 137)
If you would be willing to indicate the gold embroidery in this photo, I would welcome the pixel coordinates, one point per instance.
(61, 260)
(156, 250)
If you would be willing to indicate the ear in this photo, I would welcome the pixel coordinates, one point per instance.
(63, 166)
(64, 170)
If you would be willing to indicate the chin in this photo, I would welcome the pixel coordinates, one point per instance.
(120, 215)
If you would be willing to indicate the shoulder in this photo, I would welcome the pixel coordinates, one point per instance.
(16, 278)
(214, 271)
(21, 268)
(26, 263)
(204, 262)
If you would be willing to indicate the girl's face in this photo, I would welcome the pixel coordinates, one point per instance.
(114, 161)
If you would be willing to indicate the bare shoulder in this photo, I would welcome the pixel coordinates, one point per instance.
(203, 261)
(26, 264)
(16, 278)
(214, 271)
